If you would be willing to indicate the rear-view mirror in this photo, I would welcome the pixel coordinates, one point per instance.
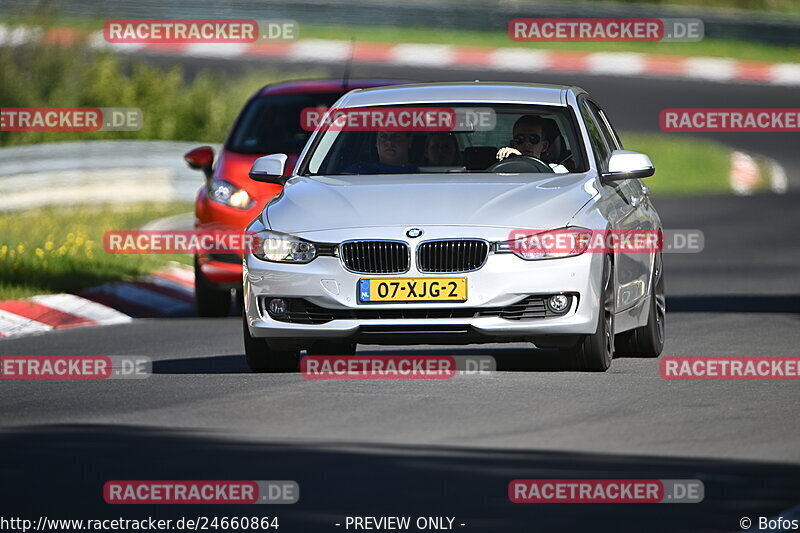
(269, 169)
(625, 165)
(201, 158)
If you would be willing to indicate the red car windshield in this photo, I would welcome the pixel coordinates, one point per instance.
(271, 124)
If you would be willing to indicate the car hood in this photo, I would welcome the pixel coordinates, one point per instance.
(505, 200)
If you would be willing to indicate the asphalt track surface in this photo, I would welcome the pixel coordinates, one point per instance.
(450, 447)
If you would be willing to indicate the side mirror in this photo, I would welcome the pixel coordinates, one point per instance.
(626, 165)
(269, 169)
(201, 158)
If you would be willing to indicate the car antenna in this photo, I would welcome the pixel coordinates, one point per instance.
(348, 64)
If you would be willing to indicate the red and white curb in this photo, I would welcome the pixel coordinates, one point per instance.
(746, 175)
(167, 292)
(516, 59)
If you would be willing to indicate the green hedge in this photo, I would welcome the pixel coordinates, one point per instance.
(174, 108)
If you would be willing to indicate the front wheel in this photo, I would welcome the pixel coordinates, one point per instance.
(648, 340)
(260, 358)
(594, 352)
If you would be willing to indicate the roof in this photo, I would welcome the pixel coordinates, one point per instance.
(323, 86)
(467, 92)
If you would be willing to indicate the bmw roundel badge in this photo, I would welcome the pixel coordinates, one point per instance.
(414, 232)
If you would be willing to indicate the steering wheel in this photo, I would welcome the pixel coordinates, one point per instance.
(521, 163)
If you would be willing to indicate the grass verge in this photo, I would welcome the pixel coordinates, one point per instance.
(684, 166)
(51, 250)
(174, 108)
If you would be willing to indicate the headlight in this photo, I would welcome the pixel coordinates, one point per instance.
(552, 244)
(227, 193)
(282, 248)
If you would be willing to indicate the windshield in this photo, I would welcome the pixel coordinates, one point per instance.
(467, 143)
(271, 124)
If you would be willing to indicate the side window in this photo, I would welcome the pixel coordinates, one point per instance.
(631, 187)
(601, 151)
(612, 139)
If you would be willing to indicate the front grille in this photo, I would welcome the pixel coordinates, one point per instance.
(303, 312)
(375, 257)
(456, 255)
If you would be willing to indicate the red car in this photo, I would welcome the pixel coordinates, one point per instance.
(230, 200)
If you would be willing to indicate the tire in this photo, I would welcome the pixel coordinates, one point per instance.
(648, 340)
(238, 299)
(210, 301)
(332, 348)
(260, 358)
(594, 352)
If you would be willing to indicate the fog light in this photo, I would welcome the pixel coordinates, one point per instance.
(278, 307)
(558, 303)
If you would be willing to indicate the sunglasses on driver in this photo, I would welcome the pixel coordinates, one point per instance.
(533, 138)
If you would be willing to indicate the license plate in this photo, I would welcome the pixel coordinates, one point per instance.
(412, 290)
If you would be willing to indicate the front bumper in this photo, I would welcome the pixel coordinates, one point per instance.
(504, 280)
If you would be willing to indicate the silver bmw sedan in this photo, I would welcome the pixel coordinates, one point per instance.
(457, 213)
